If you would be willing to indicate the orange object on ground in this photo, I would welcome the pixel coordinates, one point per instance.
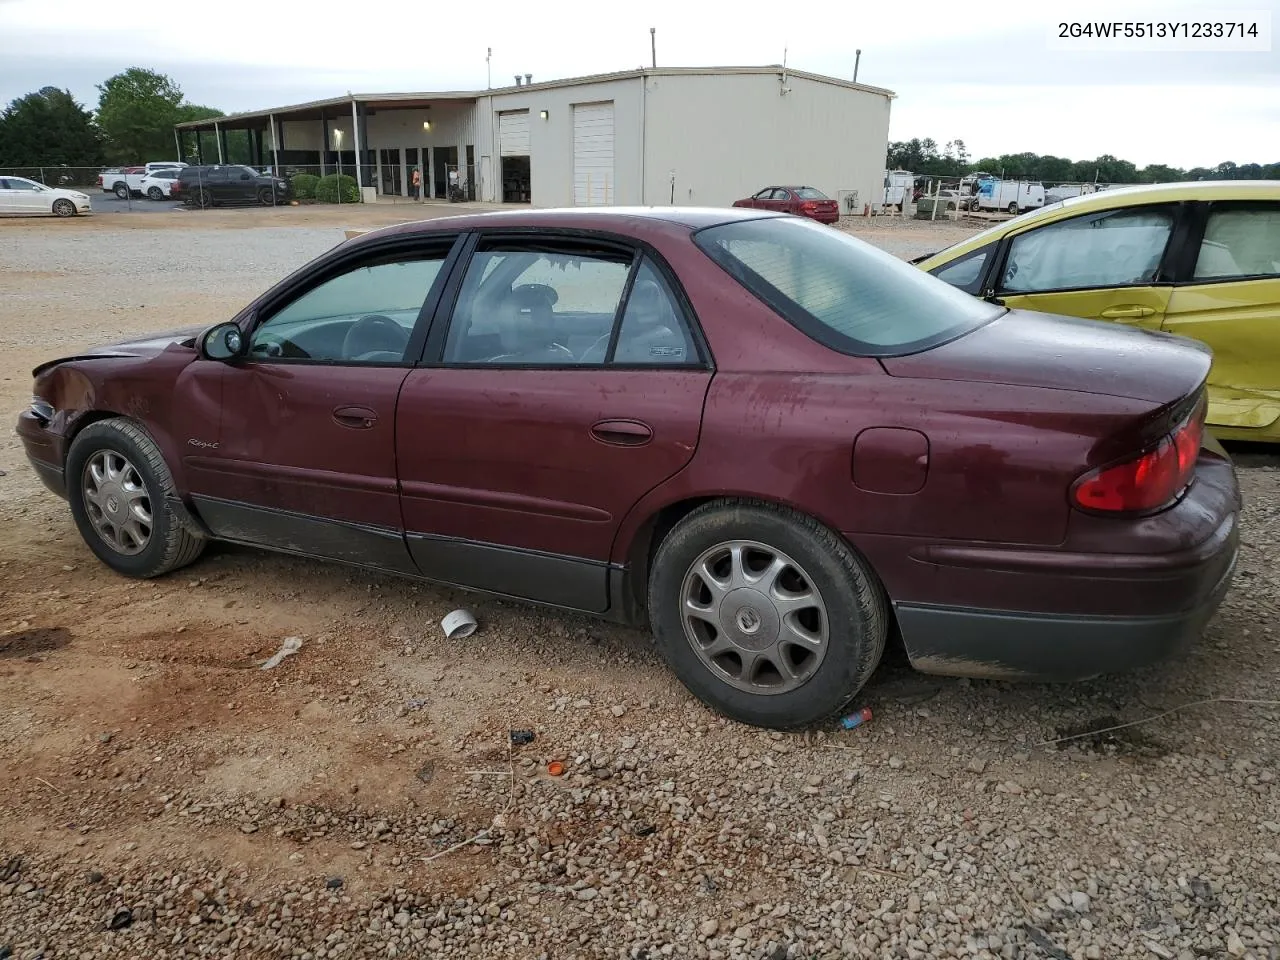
(555, 768)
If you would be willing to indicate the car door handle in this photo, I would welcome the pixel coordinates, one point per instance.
(358, 418)
(1131, 312)
(622, 433)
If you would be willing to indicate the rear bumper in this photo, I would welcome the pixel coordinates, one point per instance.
(956, 641)
(1118, 594)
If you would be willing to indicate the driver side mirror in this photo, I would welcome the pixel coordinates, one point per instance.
(224, 343)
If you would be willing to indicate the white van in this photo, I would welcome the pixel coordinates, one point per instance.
(1015, 196)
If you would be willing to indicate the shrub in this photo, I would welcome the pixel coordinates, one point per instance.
(304, 186)
(329, 188)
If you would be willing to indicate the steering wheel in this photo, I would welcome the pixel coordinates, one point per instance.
(374, 334)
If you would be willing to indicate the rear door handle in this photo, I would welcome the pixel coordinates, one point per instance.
(622, 433)
(1130, 312)
(358, 418)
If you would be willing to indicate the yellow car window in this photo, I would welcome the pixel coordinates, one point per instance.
(1240, 242)
(1114, 248)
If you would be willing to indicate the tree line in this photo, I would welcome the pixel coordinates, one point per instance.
(132, 124)
(926, 158)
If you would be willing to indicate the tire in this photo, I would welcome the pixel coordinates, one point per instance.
(144, 478)
(201, 198)
(847, 606)
(1013, 208)
(155, 193)
(121, 190)
(266, 197)
(64, 208)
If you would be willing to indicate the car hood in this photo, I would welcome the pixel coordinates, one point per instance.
(1030, 349)
(147, 345)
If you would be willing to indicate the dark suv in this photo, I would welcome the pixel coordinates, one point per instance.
(229, 183)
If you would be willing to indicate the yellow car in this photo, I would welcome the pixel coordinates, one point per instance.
(1198, 259)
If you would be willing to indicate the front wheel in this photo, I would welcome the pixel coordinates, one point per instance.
(120, 491)
(266, 197)
(1013, 209)
(766, 615)
(64, 208)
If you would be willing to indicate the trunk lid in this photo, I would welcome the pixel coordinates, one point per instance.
(1030, 349)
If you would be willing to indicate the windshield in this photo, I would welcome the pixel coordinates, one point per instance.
(842, 292)
(808, 193)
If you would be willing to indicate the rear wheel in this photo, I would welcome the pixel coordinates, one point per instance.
(122, 191)
(155, 193)
(120, 491)
(766, 615)
(1013, 209)
(64, 208)
(201, 198)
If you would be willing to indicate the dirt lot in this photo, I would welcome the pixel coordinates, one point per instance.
(154, 781)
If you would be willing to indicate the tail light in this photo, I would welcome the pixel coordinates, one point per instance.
(1150, 481)
(809, 206)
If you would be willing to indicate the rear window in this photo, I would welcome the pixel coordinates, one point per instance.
(841, 291)
(808, 193)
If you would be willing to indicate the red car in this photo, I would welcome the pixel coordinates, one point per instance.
(773, 442)
(802, 201)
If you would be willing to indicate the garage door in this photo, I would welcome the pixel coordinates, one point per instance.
(593, 154)
(513, 133)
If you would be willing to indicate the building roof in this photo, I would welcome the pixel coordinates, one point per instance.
(312, 109)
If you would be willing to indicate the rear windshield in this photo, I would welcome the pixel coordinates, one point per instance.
(842, 292)
(808, 193)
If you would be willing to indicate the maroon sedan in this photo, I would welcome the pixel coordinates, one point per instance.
(771, 441)
(802, 201)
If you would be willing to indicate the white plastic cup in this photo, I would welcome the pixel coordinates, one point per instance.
(458, 625)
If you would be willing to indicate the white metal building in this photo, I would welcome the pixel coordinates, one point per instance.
(704, 136)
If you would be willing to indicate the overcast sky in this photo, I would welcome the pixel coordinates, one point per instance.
(981, 72)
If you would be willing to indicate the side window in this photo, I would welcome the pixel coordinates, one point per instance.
(365, 315)
(1240, 242)
(653, 331)
(764, 194)
(781, 194)
(1114, 248)
(544, 304)
(965, 273)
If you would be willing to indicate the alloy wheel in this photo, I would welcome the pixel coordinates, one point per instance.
(117, 502)
(754, 617)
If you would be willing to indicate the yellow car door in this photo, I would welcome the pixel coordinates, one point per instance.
(1229, 298)
(1103, 265)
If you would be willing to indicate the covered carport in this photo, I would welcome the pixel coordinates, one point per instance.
(377, 138)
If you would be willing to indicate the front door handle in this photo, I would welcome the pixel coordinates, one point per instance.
(358, 418)
(1129, 312)
(622, 433)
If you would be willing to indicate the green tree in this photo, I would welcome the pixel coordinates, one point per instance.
(136, 111)
(47, 128)
(1159, 173)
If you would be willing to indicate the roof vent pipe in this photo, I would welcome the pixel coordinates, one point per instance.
(528, 79)
(517, 79)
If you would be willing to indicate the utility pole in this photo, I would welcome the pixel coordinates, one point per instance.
(857, 58)
(488, 68)
(653, 47)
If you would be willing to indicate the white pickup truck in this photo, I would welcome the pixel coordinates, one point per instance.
(125, 182)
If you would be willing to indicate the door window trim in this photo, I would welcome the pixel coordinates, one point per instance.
(1198, 225)
(312, 277)
(991, 285)
(442, 318)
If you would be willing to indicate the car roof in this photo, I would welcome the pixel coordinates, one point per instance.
(624, 220)
(1132, 196)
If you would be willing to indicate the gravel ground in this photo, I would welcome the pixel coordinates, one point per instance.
(161, 798)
